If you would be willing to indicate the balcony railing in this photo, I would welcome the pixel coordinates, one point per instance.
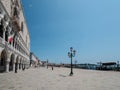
(10, 47)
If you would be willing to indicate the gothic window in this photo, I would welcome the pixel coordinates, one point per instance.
(22, 26)
(13, 41)
(5, 17)
(16, 3)
(6, 36)
(7, 27)
(15, 45)
(15, 8)
(26, 39)
(10, 24)
(15, 12)
(1, 28)
(1, 31)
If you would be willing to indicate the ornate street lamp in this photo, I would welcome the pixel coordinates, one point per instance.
(70, 55)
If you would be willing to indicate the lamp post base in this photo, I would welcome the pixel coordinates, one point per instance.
(71, 74)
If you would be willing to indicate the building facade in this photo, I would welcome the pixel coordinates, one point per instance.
(14, 37)
(34, 61)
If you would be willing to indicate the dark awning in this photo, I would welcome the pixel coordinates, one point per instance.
(109, 63)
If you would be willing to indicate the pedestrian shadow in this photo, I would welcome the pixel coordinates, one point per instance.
(61, 75)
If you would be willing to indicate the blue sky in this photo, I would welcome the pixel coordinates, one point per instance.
(91, 27)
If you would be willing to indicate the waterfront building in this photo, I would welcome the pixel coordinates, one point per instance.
(108, 66)
(44, 63)
(34, 61)
(85, 66)
(14, 37)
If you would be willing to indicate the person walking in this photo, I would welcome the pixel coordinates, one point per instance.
(52, 67)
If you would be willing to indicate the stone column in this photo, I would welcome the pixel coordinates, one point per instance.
(3, 36)
(7, 66)
(14, 67)
(4, 32)
(23, 68)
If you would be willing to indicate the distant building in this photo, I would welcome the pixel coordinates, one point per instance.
(34, 61)
(108, 66)
(86, 66)
(14, 36)
(80, 66)
(44, 63)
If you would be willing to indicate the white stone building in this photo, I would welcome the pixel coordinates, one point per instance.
(14, 37)
(34, 61)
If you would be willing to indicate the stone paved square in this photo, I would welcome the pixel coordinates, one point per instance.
(59, 79)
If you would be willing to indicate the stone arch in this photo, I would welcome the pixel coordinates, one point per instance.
(12, 58)
(3, 60)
